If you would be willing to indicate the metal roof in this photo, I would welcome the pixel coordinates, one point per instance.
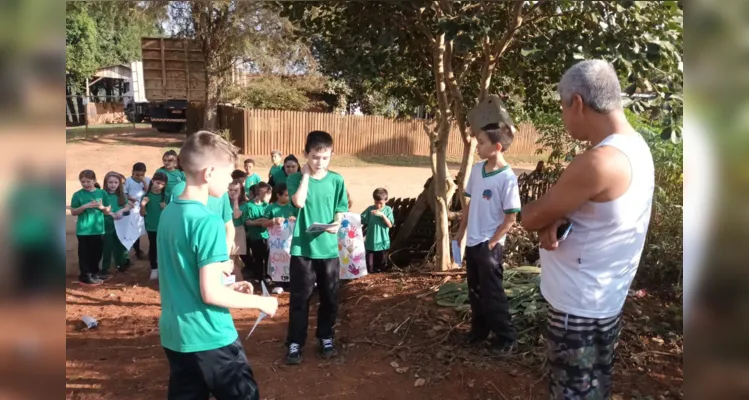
(114, 72)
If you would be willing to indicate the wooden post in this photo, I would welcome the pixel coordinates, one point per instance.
(421, 205)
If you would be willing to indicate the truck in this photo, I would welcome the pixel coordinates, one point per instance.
(173, 76)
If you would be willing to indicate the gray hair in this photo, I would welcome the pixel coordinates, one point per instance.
(597, 84)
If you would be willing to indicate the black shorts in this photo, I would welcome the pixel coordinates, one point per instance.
(224, 373)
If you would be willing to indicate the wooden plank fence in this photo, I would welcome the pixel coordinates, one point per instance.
(260, 131)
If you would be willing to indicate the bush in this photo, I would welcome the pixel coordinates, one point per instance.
(661, 262)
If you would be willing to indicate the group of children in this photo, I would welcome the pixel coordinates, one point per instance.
(197, 199)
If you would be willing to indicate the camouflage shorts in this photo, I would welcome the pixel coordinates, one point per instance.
(580, 355)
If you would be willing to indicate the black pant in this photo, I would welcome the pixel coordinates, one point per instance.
(377, 261)
(152, 252)
(304, 272)
(224, 373)
(90, 248)
(258, 259)
(490, 309)
(136, 246)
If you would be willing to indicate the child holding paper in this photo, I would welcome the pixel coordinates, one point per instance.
(489, 215)
(205, 354)
(320, 196)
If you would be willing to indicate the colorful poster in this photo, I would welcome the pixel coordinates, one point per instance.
(351, 247)
(279, 245)
(130, 227)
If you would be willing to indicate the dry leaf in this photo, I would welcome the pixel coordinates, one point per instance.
(394, 364)
(420, 382)
(401, 370)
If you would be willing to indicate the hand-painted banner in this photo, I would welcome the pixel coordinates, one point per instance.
(279, 245)
(351, 247)
(130, 227)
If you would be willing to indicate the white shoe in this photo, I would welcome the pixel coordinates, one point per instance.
(154, 275)
(277, 290)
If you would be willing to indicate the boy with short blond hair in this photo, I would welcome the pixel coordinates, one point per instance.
(197, 332)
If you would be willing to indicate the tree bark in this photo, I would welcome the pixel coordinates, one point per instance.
(439, 157)
(210, 121)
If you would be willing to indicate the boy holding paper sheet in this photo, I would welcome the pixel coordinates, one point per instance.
(205, 354)
(320, 196)
(492, 210)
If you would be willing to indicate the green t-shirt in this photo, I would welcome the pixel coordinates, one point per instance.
(253, 179)
(325, 198)
(256, 211)
(276, 210)
(173, 178)
(278, 174)
(90, 221)
(190, 237)
(153, 211)
(220, 206)
(378, 234)
(242, 218)
(108, 220)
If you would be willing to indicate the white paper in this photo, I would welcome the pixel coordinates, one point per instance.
(130, 227)
(279, 253)
(262, 314)
(351, 247)
(457, 257)
(317, 227)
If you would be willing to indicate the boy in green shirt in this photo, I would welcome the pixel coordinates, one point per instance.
(379, 220)
(257, 233)
(252, 177)
(276, 174)
(197, 332)
(89, 204)
(320, 196)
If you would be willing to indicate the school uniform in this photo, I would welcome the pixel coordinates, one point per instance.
(276, 175)
(257, 240)
(377, 240)
(113, 248)
(174, 177)
(137, 190)
(314, 256)
(89, 230)
(251, 180)
(152, 220)
(493, 195)
(205, 354)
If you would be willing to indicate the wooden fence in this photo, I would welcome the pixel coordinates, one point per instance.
(260, 131)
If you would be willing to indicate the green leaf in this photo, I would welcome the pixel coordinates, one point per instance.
(526, 53)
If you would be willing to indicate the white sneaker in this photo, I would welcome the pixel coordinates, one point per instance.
(277, 290)
(154, 275)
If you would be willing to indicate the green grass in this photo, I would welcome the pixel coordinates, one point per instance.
(80, 132)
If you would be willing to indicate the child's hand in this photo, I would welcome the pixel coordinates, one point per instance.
(248, 222)
(162, 204)
(334, 229)
(227, 267)
(377, 213)
(144, 201)
(269, 305)
(243, 287)
(278, 221)
(292, 219)
(306, 170)
(117, 215)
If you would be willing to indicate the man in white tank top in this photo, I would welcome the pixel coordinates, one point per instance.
(606, 194)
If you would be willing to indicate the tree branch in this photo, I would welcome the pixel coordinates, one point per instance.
(452, 84)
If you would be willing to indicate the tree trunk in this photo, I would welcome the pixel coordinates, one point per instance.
(210, 122)
(441, 207)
